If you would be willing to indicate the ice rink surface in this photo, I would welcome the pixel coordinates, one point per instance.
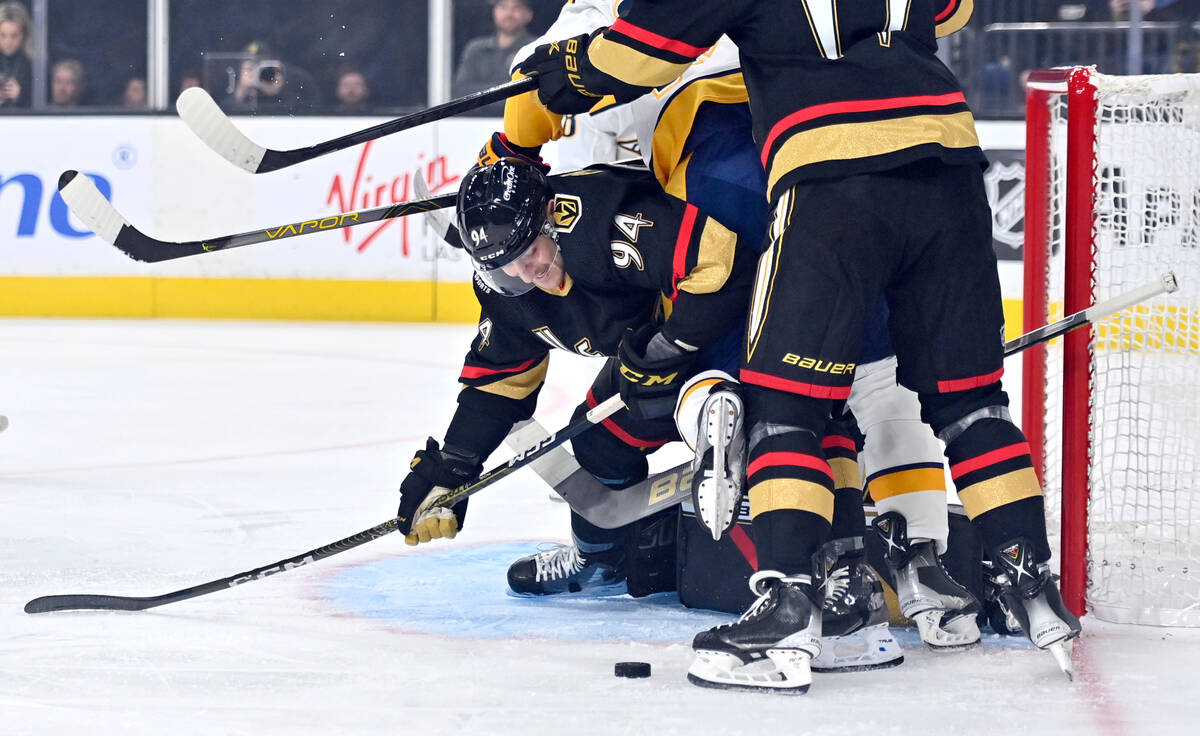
(144, 457)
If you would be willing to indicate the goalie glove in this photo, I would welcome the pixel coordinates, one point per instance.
(433, 472)
(652, 370)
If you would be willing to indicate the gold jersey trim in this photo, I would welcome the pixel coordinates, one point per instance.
(520, 385)
(714, 260)
(632, 66)
(849, 141)
(675, 125)
(846, 473)
(913, 480)
(779, 494)
(979, 498)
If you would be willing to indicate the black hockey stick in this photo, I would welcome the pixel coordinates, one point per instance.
(217, 131)
(91, 602)
(89, 205)
(600, 506)
(1164, 285)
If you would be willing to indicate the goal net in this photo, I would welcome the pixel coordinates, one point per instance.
(1113, 412)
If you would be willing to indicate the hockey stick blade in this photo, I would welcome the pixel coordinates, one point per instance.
(46, 604)
(1164, 284)
(87, 203)
(217, 131)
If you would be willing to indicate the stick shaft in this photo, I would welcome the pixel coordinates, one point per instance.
(1165, 284)
(274, 160)
(68, 602)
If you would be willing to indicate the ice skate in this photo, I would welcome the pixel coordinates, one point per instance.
(720, 464)
(1029, 595)
(769, 648)
(567, 569)
(944, 611)
(854, 616)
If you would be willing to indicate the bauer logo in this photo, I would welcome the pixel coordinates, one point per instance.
(31, 191)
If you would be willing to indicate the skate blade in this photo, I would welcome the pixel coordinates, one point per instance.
(940, 639)
(782, 671)
(715, 504)
(1062, 656)
(872, 648)
(599, 591)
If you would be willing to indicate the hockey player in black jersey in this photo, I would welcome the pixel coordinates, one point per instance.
(873, 173)
(603, 263)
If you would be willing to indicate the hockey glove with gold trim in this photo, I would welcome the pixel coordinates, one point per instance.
(433, 472)
(560, 83)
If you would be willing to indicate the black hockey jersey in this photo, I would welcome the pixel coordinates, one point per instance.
(836, 88)
(632, 255)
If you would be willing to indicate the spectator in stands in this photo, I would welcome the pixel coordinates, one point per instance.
(190, 78)
(134, 97)
(485, 60)
(16, 70)
(267, 84)
(66, 84)
(351, 91)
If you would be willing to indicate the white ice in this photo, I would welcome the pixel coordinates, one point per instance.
(144, 457)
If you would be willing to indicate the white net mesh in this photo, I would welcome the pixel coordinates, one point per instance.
(1144, 469)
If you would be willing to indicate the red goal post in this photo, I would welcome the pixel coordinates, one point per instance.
(1112, 199)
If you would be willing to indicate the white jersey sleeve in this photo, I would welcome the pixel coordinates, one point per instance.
(602, 137)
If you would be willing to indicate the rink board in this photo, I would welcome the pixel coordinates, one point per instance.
(169, 186)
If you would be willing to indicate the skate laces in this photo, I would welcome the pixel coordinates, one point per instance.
(557, 563)
(837, 582)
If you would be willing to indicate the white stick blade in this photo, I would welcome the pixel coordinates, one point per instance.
(87, 203)
(214, 128)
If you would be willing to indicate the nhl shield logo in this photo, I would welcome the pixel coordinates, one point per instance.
(1005, 187)
(567, 209)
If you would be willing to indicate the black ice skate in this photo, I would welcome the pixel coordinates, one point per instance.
(854, 615)
(566, 569)
(769, 648)
(944, 611)
(720, 465)
(1029, 595)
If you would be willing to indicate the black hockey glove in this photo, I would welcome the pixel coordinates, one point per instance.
(499, 146)
(652, 370)
(560, 84)
(434, 471)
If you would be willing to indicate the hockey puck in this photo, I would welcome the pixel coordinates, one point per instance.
(632, 669)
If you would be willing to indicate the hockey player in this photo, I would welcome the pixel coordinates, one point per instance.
(602, 263)
(694, 134)
(874, 175)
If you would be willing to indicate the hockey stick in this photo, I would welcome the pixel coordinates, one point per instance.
(217, 131)
(608, 510)
(48, 603)
(89, 205)
(1164, 285)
